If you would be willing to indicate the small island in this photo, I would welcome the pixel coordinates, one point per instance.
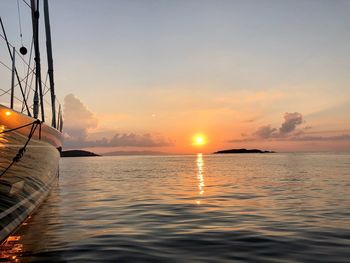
(77, 153)
(243, 151)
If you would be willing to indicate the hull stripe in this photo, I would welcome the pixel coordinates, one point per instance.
(24, 201)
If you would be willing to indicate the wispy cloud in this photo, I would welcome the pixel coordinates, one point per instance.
(289, 131)
(343, 137)
(265, 132)
(122, 140)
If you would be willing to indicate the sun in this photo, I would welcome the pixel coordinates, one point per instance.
(199, 140)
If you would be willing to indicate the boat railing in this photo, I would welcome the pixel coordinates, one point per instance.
(19, 105)
(18, 70)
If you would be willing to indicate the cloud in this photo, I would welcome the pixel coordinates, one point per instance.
(265, 132)
(291, 120)
(289, 132)
(122, 140)
(343, 137)
(305, 138)
(288, 128)
(146, 140)
(77, 119)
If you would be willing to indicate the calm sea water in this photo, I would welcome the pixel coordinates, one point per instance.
(210, 208)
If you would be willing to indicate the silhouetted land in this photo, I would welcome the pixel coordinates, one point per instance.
(243, 151)
(77, 153)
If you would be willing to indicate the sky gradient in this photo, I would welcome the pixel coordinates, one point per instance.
(149, 75)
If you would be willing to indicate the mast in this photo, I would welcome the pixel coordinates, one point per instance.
(38, 86)
(50, 61)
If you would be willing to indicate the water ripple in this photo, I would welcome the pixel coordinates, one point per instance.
(256, 208)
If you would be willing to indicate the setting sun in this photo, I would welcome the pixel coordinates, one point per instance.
(199, 140)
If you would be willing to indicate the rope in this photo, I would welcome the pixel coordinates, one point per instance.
(17, 128)
(22, 150)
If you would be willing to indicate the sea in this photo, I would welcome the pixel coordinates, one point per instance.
(280, 207)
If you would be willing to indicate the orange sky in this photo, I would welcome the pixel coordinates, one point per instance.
(140, 75)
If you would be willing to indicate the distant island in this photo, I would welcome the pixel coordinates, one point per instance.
(82, 153)
(77, 153)
(243, 151)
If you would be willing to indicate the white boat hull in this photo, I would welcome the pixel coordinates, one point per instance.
(24, 186)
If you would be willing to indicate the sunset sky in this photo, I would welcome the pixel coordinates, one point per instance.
(151, 75)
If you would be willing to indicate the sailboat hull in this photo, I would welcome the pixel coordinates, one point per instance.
(24, 186)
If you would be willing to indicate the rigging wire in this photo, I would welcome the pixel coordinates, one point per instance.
(24, 1)
(25, 78)
(8, 92)
(30, 70)
(8, 47)
(28, 87)
(20, 23)
(46, 89)
(20, 55)
(28, 93)
(26, 84)
(2, 63)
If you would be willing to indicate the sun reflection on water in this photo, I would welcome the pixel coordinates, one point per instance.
(200, 177)
(10, 249)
